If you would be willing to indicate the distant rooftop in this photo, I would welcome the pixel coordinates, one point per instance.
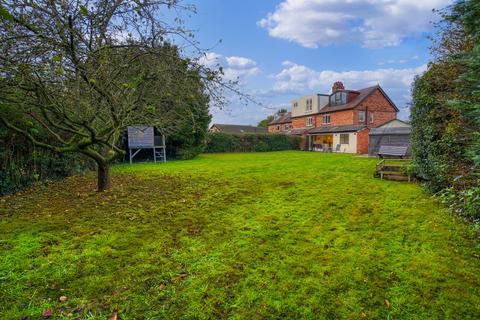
(284, 118)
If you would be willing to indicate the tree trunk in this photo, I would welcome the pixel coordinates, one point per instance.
(103, 176)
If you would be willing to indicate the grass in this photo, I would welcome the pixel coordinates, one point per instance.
(286, 235)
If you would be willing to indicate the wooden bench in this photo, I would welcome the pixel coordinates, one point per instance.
(392, 151)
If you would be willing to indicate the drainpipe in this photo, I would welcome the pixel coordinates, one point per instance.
(366, 117)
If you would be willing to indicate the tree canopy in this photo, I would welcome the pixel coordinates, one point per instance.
(264, 123)
(84, 71)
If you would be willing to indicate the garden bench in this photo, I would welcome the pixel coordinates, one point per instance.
(392, 151)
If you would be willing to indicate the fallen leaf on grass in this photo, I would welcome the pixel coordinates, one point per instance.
(386, 303)
(180, 277)
(114, 316)
(162, 286)
(47, 313)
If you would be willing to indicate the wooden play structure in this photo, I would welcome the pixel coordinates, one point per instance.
(143, 137)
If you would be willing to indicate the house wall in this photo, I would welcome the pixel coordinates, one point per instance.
(318, 102)
(301, 122)
(284, 127)
(362, 141)
(381, 108)
(338, 118)
(351, 147)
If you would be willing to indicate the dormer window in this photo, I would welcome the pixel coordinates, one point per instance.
(295, 104)
(309, 104)
(338, 98)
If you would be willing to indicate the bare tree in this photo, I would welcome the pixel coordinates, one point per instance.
(85, 70)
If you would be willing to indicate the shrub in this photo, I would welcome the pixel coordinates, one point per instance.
(445, 113)
(22, 165)
(222, 142)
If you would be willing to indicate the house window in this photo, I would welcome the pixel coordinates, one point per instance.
(338, 98)
(361, 116)
(344, 138)
(287, 127)
(326, 119)
(295, 104)
(278, 128)
(309, 121)
(309, 104)
(370, 115)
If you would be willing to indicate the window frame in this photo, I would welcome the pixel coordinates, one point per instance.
(342, 138)
(370, 116)
(326, 116)
(309, 122)
(309, 104)
(364, 116)
(337, 98)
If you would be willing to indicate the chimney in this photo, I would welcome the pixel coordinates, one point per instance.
(338, 85)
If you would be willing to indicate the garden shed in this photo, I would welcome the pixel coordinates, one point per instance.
(393, 133)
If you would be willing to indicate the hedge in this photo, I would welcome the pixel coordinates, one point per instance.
(22, 164)
(222, 142)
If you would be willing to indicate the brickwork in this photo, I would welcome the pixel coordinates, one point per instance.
(338, 118)
(301, 122)
(379, 106)
(362, 141)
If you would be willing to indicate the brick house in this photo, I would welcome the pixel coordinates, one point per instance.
(341, 121)
(281, 124)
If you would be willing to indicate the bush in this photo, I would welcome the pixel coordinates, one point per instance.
(222, 142)
(445, 113)
(22, 165)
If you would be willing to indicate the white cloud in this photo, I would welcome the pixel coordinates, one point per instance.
(297, 79)
(300, 79)
(240, 62)
(234, 67)
(373, 23)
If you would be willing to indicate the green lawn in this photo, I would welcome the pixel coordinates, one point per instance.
(285, 235)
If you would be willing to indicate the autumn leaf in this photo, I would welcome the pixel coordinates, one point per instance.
(47, 313)
(114, 316)
(386, 303)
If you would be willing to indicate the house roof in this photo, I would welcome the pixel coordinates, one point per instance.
(298, 132)
(363, 94)
(334, 129)
(395, 123)
(395, 126)
(284, 118)
(238, 129)
(390, 130)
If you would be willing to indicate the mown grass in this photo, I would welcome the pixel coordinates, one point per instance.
(286, 235)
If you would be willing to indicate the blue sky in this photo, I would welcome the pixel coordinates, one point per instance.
(287, 48)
